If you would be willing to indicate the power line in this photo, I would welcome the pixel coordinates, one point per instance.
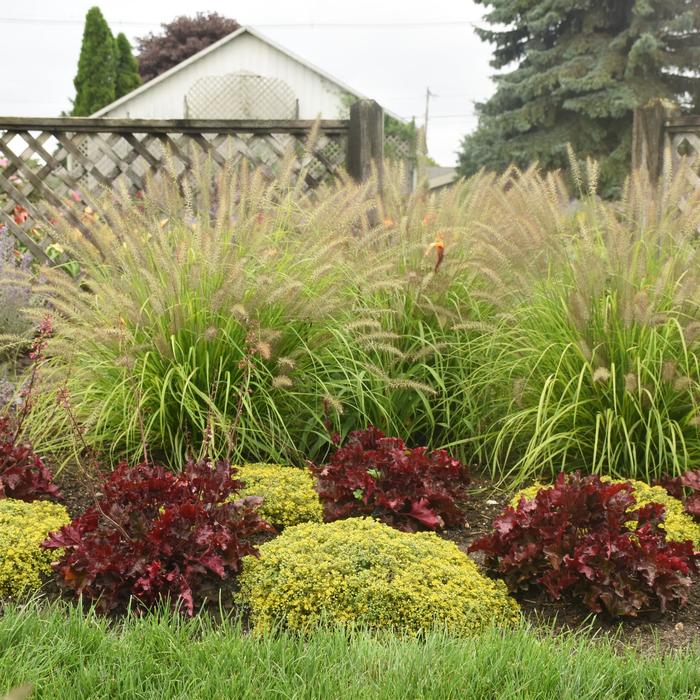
(278, 25)
(372, 25)
(452, 116)
(447, 116)
(60, 20)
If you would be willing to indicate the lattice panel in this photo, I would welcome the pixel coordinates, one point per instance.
(686, 145)
(63, 169)
(240, 96)
(397, 148)
(403, 150)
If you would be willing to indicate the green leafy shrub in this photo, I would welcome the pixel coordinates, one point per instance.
(288, 493)
(499, 319)
(360, 571)
(611, 391)
(23, 527)
(678, 525)
(195, 321)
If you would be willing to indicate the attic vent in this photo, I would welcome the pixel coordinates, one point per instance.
(240, 96)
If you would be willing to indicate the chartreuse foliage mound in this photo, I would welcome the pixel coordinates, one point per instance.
(23, 527)
(679, 526)
(288, 494)
(361, 572)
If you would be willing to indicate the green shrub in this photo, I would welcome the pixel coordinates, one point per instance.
(596, 362)
(499, 320)
(288, 493)
(243, 315)
(609, 392)
(679, 526)
(196, 321)
(23, 527)
(360, 571)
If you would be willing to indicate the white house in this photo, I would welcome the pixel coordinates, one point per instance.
(244, 75)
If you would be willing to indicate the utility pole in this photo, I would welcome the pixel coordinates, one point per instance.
(428, 95)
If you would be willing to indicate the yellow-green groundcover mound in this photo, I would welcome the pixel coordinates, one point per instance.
(23, 527)
(361, 572)
(678, 524)
(287, 492)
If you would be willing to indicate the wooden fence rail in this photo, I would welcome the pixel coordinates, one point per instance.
(53, 164)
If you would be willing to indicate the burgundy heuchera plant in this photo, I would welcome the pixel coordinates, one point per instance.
(377, 475)
(23, 475)
(584, 538)
(154, 534)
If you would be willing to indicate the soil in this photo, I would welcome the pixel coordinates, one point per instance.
(78, 491)
(651, 630)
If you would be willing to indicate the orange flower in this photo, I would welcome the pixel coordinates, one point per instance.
(439, 245)
(389, 222)
(20, 214)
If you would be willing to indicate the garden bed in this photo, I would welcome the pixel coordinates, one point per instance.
(652, 630)
(301, 339)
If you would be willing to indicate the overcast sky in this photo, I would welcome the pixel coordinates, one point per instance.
(391, 51)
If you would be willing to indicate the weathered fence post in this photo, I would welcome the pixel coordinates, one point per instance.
(649, 138)
(365, 140)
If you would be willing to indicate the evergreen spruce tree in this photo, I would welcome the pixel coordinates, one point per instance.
(95, 81)
(580, 68)
(127, 72)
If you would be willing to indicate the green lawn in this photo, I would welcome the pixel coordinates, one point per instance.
(66, 654)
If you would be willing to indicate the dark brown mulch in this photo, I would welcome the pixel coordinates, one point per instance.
(78, 491)
(652, 630)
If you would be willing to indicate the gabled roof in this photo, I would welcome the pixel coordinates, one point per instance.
(439, 176)
(213, 47)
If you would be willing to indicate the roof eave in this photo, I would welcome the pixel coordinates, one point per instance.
(213, 47)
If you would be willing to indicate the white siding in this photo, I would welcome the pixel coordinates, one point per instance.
(166, 99)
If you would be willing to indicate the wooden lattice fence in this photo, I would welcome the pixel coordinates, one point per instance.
(682, 140)
(663, 138)
(61, 164)
(57, 163)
